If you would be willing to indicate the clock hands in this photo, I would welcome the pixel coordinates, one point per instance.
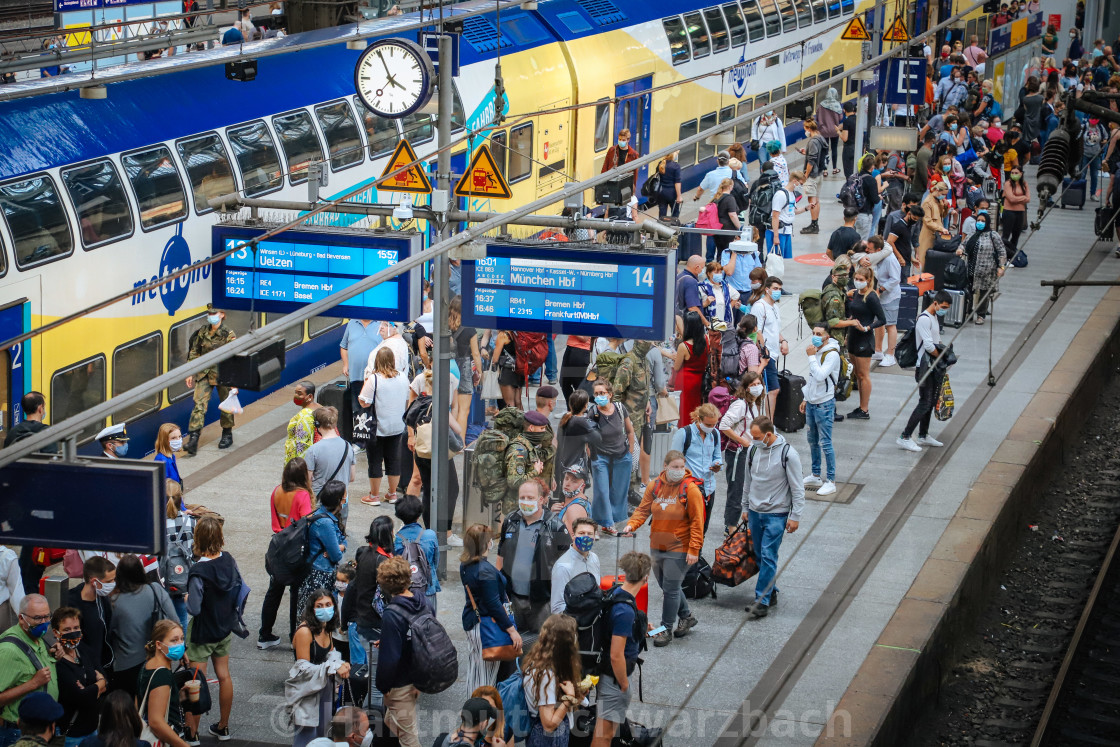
(389, 76)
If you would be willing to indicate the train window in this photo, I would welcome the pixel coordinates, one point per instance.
(793, 111)
(37, 220)
(789, 15)
(773, 19)
(343, 141)
(761, 103)
(292, 335)
(208, 169)
(256, 157)
(158, 188)
(743, 131)
(837, 71)
(418, 128)
(3, 260)
(804, 13)
(703, 150)
(718, 29)
(79, 388)
(833, 8)
(300, 143)
(499, 148)
(733, 15)
(179, 338)
(602, 126)
(98, 195)
(808, 83)
(820, 12)
(678, 39)
(847, 6)
(688, 153)
(698, 33)
(726, 113)
(458, 116)
(756, 28)
(381, 133)
(317, 325)
(520, 152)
(133, 364)
(775, 95)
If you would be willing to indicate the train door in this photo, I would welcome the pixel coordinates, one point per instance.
(554, 164)
(13, 365)
(634, 113)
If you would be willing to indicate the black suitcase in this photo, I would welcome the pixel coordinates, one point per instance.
(689, 243)
(787, 412)
(1073, 193)
(908, 307)
(336, 394)
(957, 312)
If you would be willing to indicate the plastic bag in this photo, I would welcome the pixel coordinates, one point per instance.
(490, 387)
(775, 265)
(231, 404)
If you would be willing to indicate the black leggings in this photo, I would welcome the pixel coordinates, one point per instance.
(425, 467)
(834, 143)
(573, 368)
(385, 449)
(927, 398)
(271, 605)
(1014, 221)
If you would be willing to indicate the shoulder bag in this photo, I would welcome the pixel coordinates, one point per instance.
(345, 456)
(146, 734)
(365, 420)
(497, 645)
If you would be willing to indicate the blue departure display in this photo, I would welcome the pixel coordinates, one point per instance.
(301, 267)
(570, 291)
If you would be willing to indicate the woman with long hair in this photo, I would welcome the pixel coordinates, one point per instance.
(1016, 197)
(735, 425)
(689, 364)
(485, 598)
(550, 678)
(169, 441)
(725, 299)
(575, 435)
(326, 541)
(504, 360)
(669, 197)
(386, 390)
(727, 208)
(497, 735)
(290, 502)
(311, 712)
(936, 208)
(758, 281)
(420, 413)
(131, 627)
(179, 529)
(159, 701)
(361, 605)
(119, 724)
(865, 310)
(611, 462)
(467, 357)
(751, 346)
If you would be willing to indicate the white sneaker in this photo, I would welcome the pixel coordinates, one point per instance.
(877, 356)
(812, 481)
(908, 444)
(454, 540)
(929, 441)
(888, 361)
(827, 489)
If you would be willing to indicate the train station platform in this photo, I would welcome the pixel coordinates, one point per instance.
(843, 575)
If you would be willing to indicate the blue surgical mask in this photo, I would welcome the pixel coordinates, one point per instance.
(120, 449)
(602, 400)
(176, 652)
(942, 312)
(214, 319)
(324, 614)
(37, 631)
(583, 543)
(947, 168)
(717, 277)
(776, 295)
(980, 225)
(623, 143)
(953, 127)
(817, 341)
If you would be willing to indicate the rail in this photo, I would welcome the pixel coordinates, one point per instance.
(1057, 285)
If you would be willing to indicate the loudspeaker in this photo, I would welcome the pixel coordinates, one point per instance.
(254, 371)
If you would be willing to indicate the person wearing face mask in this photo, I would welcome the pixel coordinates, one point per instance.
(819, 406)
(578, 559)
(773, 499)
(326, 541)
(987, 259)
(350, 727)
(301, 428)
(573, 502)
(766, 128)
(769, 318)
(674, 502)
(724, 298)
(91, 599)
(155, 686)
(1016, 197)
(611, 462)
(1093, 137)
(532, 540)
(632, 386)
(25, 663)
(310, 687)
(935, 209)
(621, 153)
(486, 597)
(114, 441)
(361, 606)
(865, 310)
(928, 373)
(80, 684)
(735, 425)
(700, 445)
(206, 339)
(169, 441)
(130, 628)
(531, 454)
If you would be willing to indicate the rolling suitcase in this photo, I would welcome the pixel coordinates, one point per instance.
(908, 307)
(957, 312)
(336, 394)
(1073, 193)
(787, 412)
(689, 244)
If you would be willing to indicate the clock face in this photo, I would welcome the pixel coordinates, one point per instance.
(393, 78)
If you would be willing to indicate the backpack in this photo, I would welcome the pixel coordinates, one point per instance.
(590, 606)
(652, 185)
(942, 148)
(822, 155)
(809, 304)
(421, 570)
(709, 217)
(606, 366)
(842, 386)
(955, 274)
(532, 349)
(762, 199)
(741, 193)
(698, 582)
(973, 193)
(906, 351)
(286, 559)
(435, 663)
(851, 194)
(175, 564)
(729, 354)
(489, 466)
(514, 706)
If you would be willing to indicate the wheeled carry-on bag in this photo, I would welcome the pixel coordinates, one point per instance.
(1073, 193)
(956, 314)
(908, 307)
(787, 411)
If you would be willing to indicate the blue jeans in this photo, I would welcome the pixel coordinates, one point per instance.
(767, 531)
(876, 214)
(785, 243)
(180, 605)
(360, 639)
(550, 371)
(819, 420)
(770, 373)
(763, 155)
(1094, 167)
(611, 478)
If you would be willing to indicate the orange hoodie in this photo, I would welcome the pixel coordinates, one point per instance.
(678, 522)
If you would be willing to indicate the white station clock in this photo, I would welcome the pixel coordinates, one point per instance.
(394, 77)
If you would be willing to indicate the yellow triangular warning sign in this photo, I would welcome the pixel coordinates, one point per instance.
(855, 31)
(482, 178)
(413, 180)
(897, 32)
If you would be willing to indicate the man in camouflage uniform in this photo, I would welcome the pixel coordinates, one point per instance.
(834, 308)
(529, 456)
(210, 337)
(631, 386)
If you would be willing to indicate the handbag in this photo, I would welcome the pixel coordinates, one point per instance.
(735, 561)
(146, 733)
(668, 411)
(497, 645)
(490, 387)
(943, 410)
(422, 444)
(506, 360)
(365, 421)
(183, 675)
(775, 265)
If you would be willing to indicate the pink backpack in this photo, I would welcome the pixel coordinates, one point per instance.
(708, 217)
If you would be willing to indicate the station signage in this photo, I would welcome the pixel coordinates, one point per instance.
(574, 291)
(1010, 35)
(66, 6)
(296, 268)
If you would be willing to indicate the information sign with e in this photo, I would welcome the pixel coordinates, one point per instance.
(296, 268)
(575, 291)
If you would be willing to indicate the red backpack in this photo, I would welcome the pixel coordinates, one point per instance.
(532, 349)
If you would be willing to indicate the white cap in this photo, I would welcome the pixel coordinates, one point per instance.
(743, 245)
(115, 432)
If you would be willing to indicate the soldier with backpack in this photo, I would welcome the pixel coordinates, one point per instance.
(631, 386)
(530, 455)
(420, 548)
(531, 540)
(489, 459)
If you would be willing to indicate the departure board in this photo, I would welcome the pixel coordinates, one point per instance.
(301, 267)
(581, 291)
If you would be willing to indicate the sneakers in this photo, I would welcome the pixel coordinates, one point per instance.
(371, 500)
(811, 228)
(222, 733)
(662, 639)
(684, 626)
(928, 441)
(888, 361)
(267, 641)
(758, 610)
(454, 540)
(812, 481)
(191, 738)
(858, 414)
(827, 489)
(877, 356)
(908, 444)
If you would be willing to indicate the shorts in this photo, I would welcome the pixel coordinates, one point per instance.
(812, 186)
(202, 651)
(890, 312)
(770, 373)
(612, 702)
(466, 382)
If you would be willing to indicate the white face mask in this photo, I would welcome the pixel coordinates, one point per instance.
(528, 508)
(859, 284)
(755, 390)
(705, 428)
(106, 588)
(176, 444)
(367, 740)
(674, 475)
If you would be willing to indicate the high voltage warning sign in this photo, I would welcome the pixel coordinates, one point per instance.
(412, 180)
(855, 31)
(897, 31)
(482, 178)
